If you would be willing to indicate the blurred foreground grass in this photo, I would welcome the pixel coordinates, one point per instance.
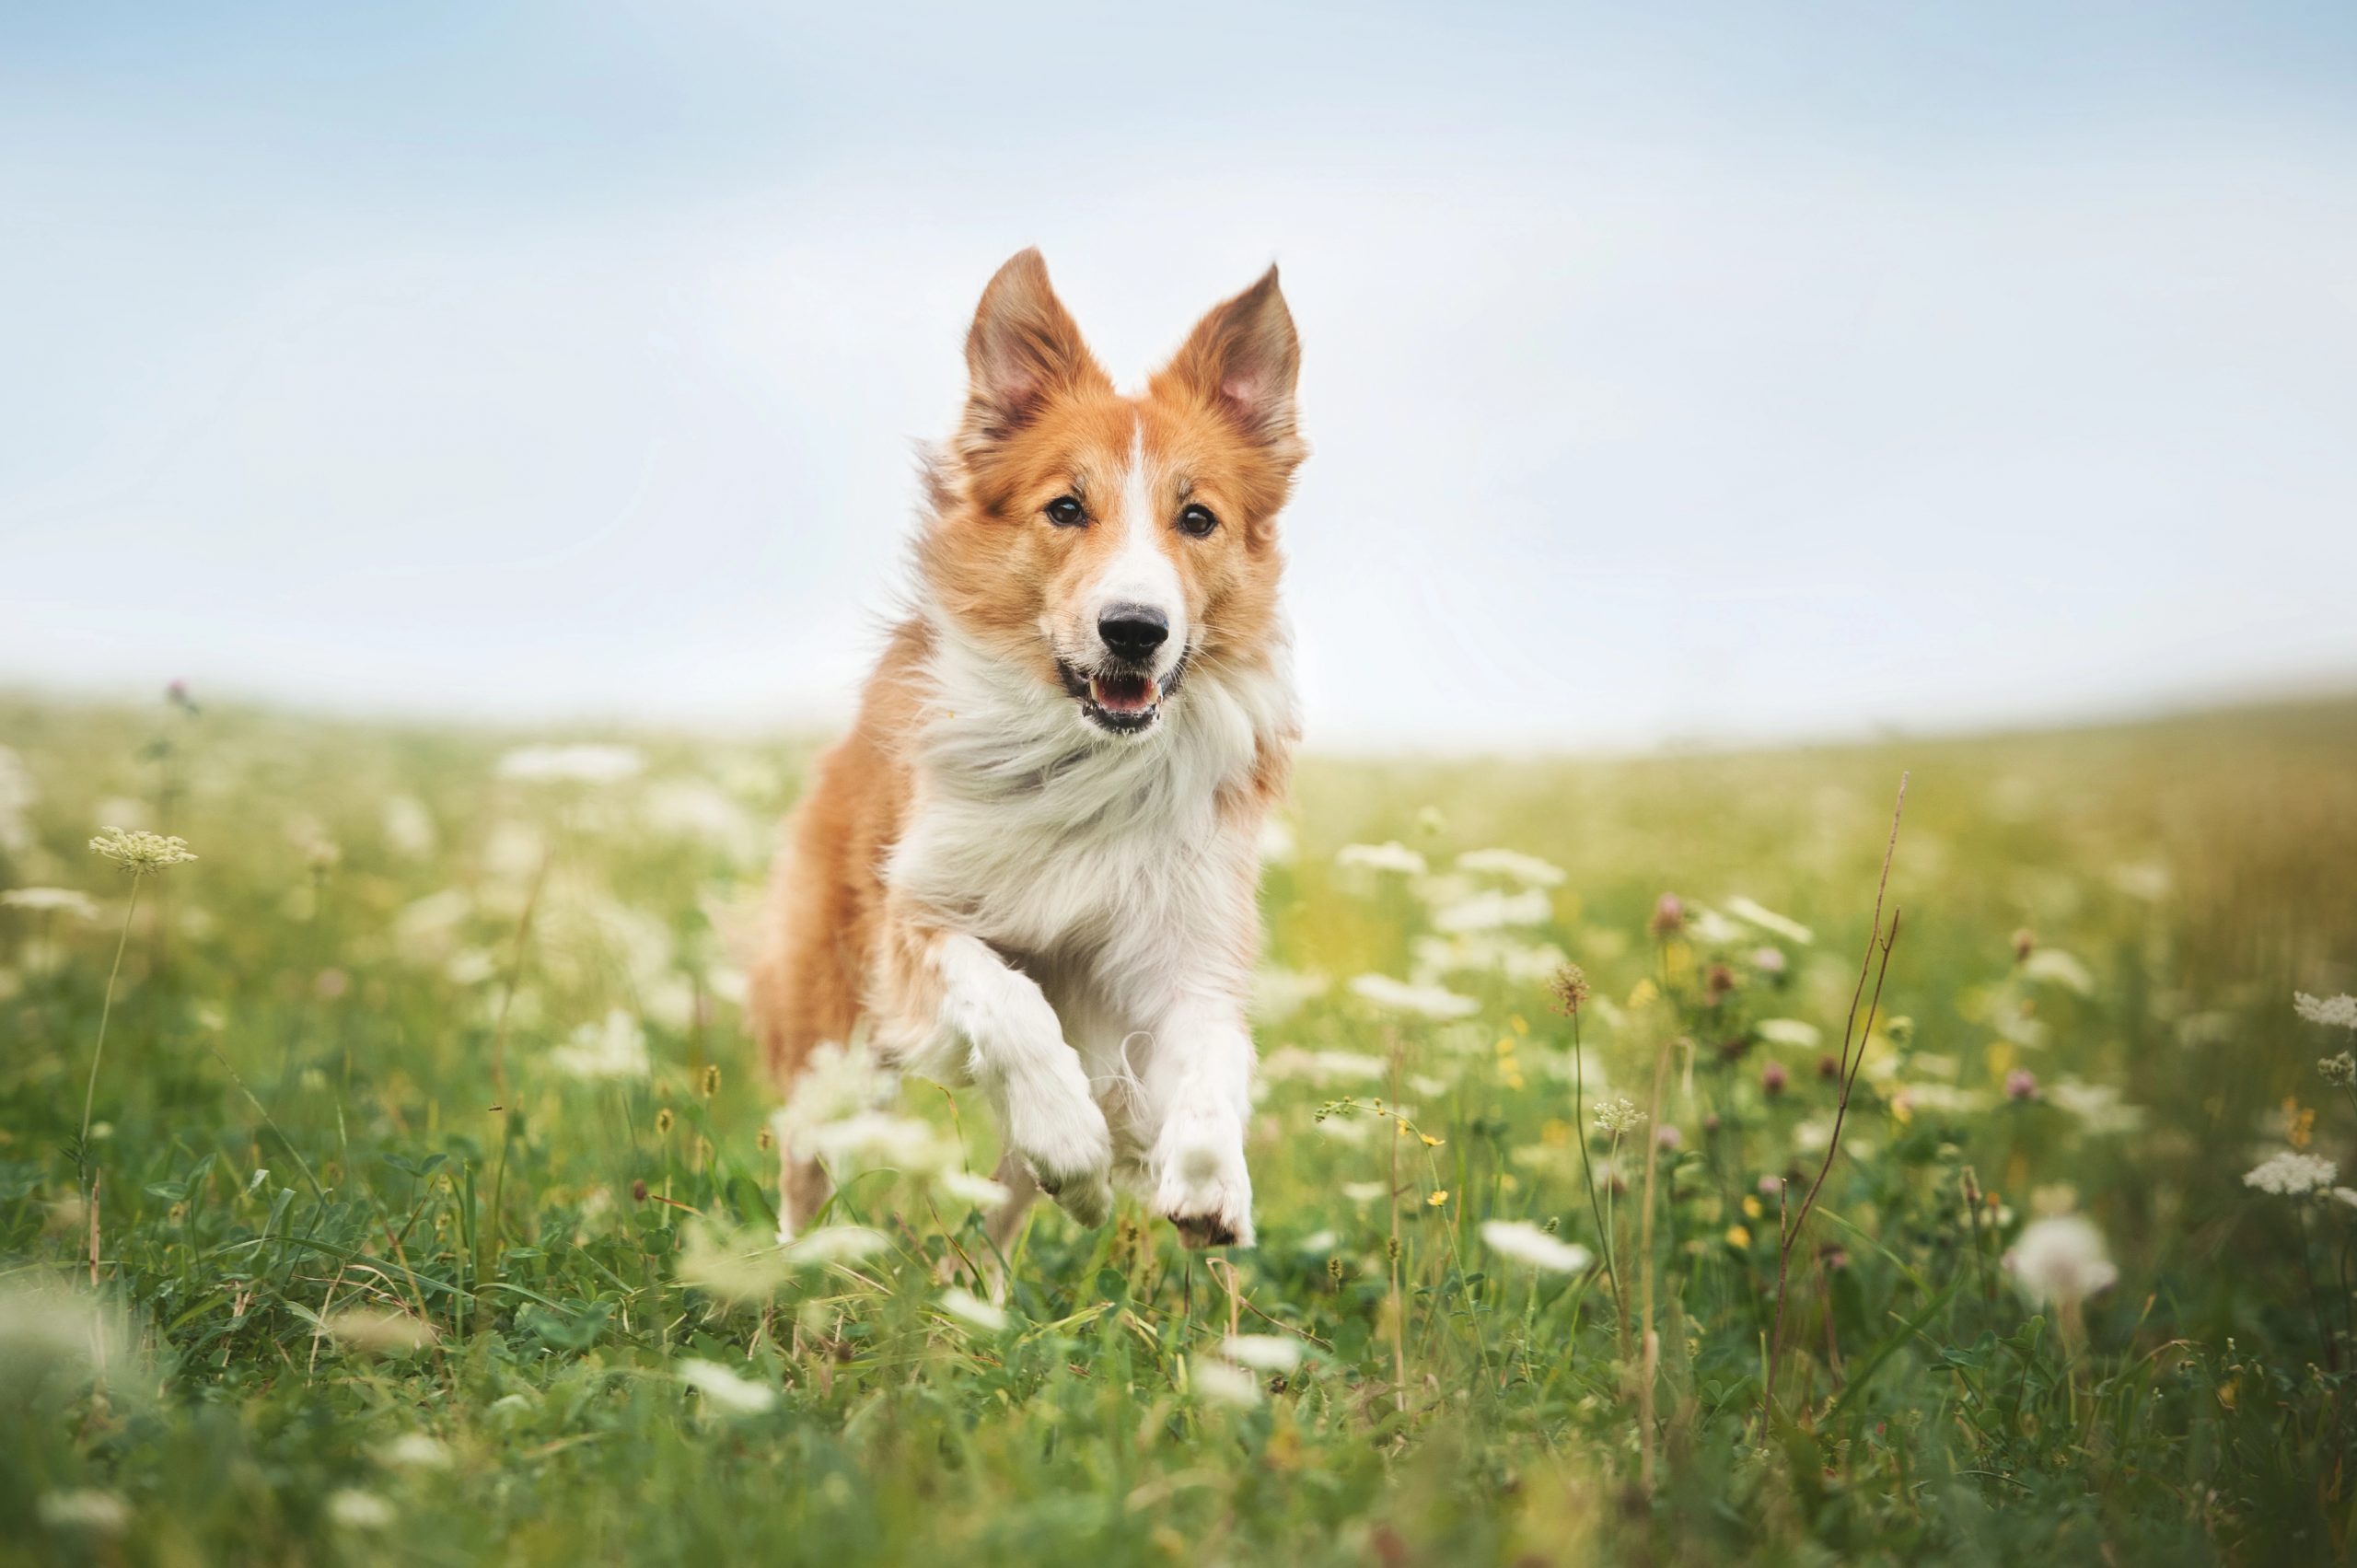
(431, 1184)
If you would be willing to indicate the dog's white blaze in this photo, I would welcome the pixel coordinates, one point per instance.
(1141, 570)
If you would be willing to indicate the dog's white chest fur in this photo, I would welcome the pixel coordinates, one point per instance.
(1057, 843)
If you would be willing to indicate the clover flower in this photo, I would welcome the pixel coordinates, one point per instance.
(2292, 1175)
(139, 852)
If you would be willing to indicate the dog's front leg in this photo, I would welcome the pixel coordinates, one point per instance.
(1199, 1080)
(1014, 1050)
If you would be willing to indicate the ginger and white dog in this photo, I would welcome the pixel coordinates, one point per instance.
(1033, 865)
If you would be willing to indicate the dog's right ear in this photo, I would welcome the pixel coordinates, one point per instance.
(1024, 349)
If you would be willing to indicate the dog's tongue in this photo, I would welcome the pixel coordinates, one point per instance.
(1122, 693)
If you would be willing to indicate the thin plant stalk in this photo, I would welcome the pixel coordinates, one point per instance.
(1587, 1170)
(98, 1054)
(1877, 940)
(1648, 1372)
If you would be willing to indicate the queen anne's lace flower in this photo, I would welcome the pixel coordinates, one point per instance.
(2334, 1012)
(1392, 856)
(2292, 1175)
(1618, 1116)
(140, 852)
(51, 900)
(1526, 1244)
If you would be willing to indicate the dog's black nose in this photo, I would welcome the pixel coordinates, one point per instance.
(1134, 631)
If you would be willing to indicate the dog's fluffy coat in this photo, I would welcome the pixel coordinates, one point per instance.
(1031, 866)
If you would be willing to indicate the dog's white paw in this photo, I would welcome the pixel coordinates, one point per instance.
(1057, 1130)
(1201, 1184)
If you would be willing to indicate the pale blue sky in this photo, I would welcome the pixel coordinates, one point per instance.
(1744, 371)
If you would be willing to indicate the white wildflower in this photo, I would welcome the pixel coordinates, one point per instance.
(1618, 1116)
(2292, 1175)
(140, 852)
(724, 1391)
(1323, 1066)
(739, 1267)
(17, 796)
(356, 1510)
(378, 1330)
(2346, 1196)
(980, 1190)
(1421, 1001)
(409, 827)
(85, 1508)
(51, 901)
(2334, 1012)
(1769, 920)
(1366, 1191)
(572, 764)
(1392, 856)
(1494, 911)
(2055, 966)
(426, 932)
(1526, 1244)
(1798, 1033)
(2097, 1106)
(415, 1451)
(1262, 1352)
(1525, 963)
(614, 1049)
(2339, 1071)
(1512, 865)
(1320, 1241)
(973, 1309)
(877, 1140)
(1276, 844)
(1222, 1383)
(2061, 1261)
(690, 808)
(835, 1244)
(1278, 994)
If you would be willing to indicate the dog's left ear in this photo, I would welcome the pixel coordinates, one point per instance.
(1242, 360)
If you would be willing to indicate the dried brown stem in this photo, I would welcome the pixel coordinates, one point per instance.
(1853, 1056)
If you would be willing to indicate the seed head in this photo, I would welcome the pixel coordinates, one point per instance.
(711, 1080)
(1570, 990)
(663, 1121)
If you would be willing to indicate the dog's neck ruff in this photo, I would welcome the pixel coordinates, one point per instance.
(1037, 829)
(994, 731)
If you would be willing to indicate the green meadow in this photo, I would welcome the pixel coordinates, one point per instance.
(1630, 1196)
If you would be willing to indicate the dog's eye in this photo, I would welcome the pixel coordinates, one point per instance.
(1067, 512)
(1197, 522)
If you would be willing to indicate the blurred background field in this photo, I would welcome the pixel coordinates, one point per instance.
(432, 1185)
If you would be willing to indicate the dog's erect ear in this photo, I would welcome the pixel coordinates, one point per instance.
(1243, 359)
(1024, 349)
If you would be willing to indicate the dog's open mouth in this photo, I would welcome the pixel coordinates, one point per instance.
(1118, 698)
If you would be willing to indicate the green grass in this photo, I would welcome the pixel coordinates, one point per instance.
(298, 1120)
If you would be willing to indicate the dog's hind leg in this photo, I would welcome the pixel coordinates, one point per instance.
(802, 992)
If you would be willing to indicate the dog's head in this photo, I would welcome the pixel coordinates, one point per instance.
(1109, 543)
